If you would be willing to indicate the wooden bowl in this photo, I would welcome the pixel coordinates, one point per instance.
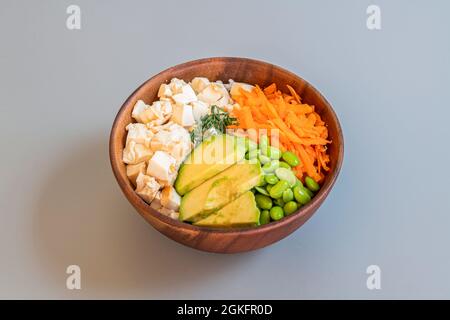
(242, 70)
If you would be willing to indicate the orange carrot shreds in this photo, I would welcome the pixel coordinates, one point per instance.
(289, 123)
(270, 89)
(294, 94)
(247, 118)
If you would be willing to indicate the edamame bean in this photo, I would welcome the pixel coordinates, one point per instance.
(279, 202)
(277, 190)
(264, 202)
(276, 213)
(262, 182)
(271, 166)
(274, 153)
(301, 195)
(262, 191)
(264, 144)
(287, 175)
(312, 184)
(290, 207)
(271, 178)
(263, 159)
(311, 194)
(264, 217)
(290, 158)
(284, 165)
(297, 184)
(288, 195)
(268, 187)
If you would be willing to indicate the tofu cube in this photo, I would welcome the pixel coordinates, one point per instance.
(170, 199)
(199, 83)
(199, 109)
(210, 94)
(133, 171)
(164, 91)
(135, 153)
(186, 95)
(183, 115)
(237, 86)
(161, 165)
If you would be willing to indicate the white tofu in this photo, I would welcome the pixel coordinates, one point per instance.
(218, 85)
(199, 109)
(173, 139)
(236, 86)
(164, 91)
(147, 187)
(222, 102)
(186, 96)
(210, 94)
(175, 85)
(139, 133)
(156, 203)
(199, 83)
(141, 112)
(139, 107)
(183, 115)
(170, 199)
(133, 171)
(161, 166)
(135, 153)
(170, 213)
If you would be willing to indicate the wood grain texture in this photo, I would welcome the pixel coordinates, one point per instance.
(242, 70)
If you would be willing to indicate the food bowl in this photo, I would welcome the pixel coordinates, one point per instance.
(242, 70)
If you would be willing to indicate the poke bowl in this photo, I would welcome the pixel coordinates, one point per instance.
(226, 154)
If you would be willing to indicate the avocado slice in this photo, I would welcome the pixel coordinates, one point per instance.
(212, 156)
(241, 212)
(218, 191)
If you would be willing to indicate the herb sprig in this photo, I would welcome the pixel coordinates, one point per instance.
(217, 119)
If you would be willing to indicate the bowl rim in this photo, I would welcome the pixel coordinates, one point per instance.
(131, 195)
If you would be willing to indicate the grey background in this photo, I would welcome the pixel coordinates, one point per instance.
(61, 205)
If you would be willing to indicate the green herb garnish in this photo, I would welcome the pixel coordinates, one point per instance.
(217, 119)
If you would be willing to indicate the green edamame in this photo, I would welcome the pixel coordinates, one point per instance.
(271, 166)
(262, 191)
(271, 178)
(263, 159)
(264, 202)
(311, 194)
(279, 202)
(312, 184)
(274, 153)
(284, 165)
(287, 175)
(276, 213)
(264, 217)
(301, 195)
(288, 195)
(268, 187)
(277, 190)
(297, 184)
(290, 207)
(290, 158)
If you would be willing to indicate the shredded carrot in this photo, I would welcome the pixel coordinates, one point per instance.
(299, 128)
